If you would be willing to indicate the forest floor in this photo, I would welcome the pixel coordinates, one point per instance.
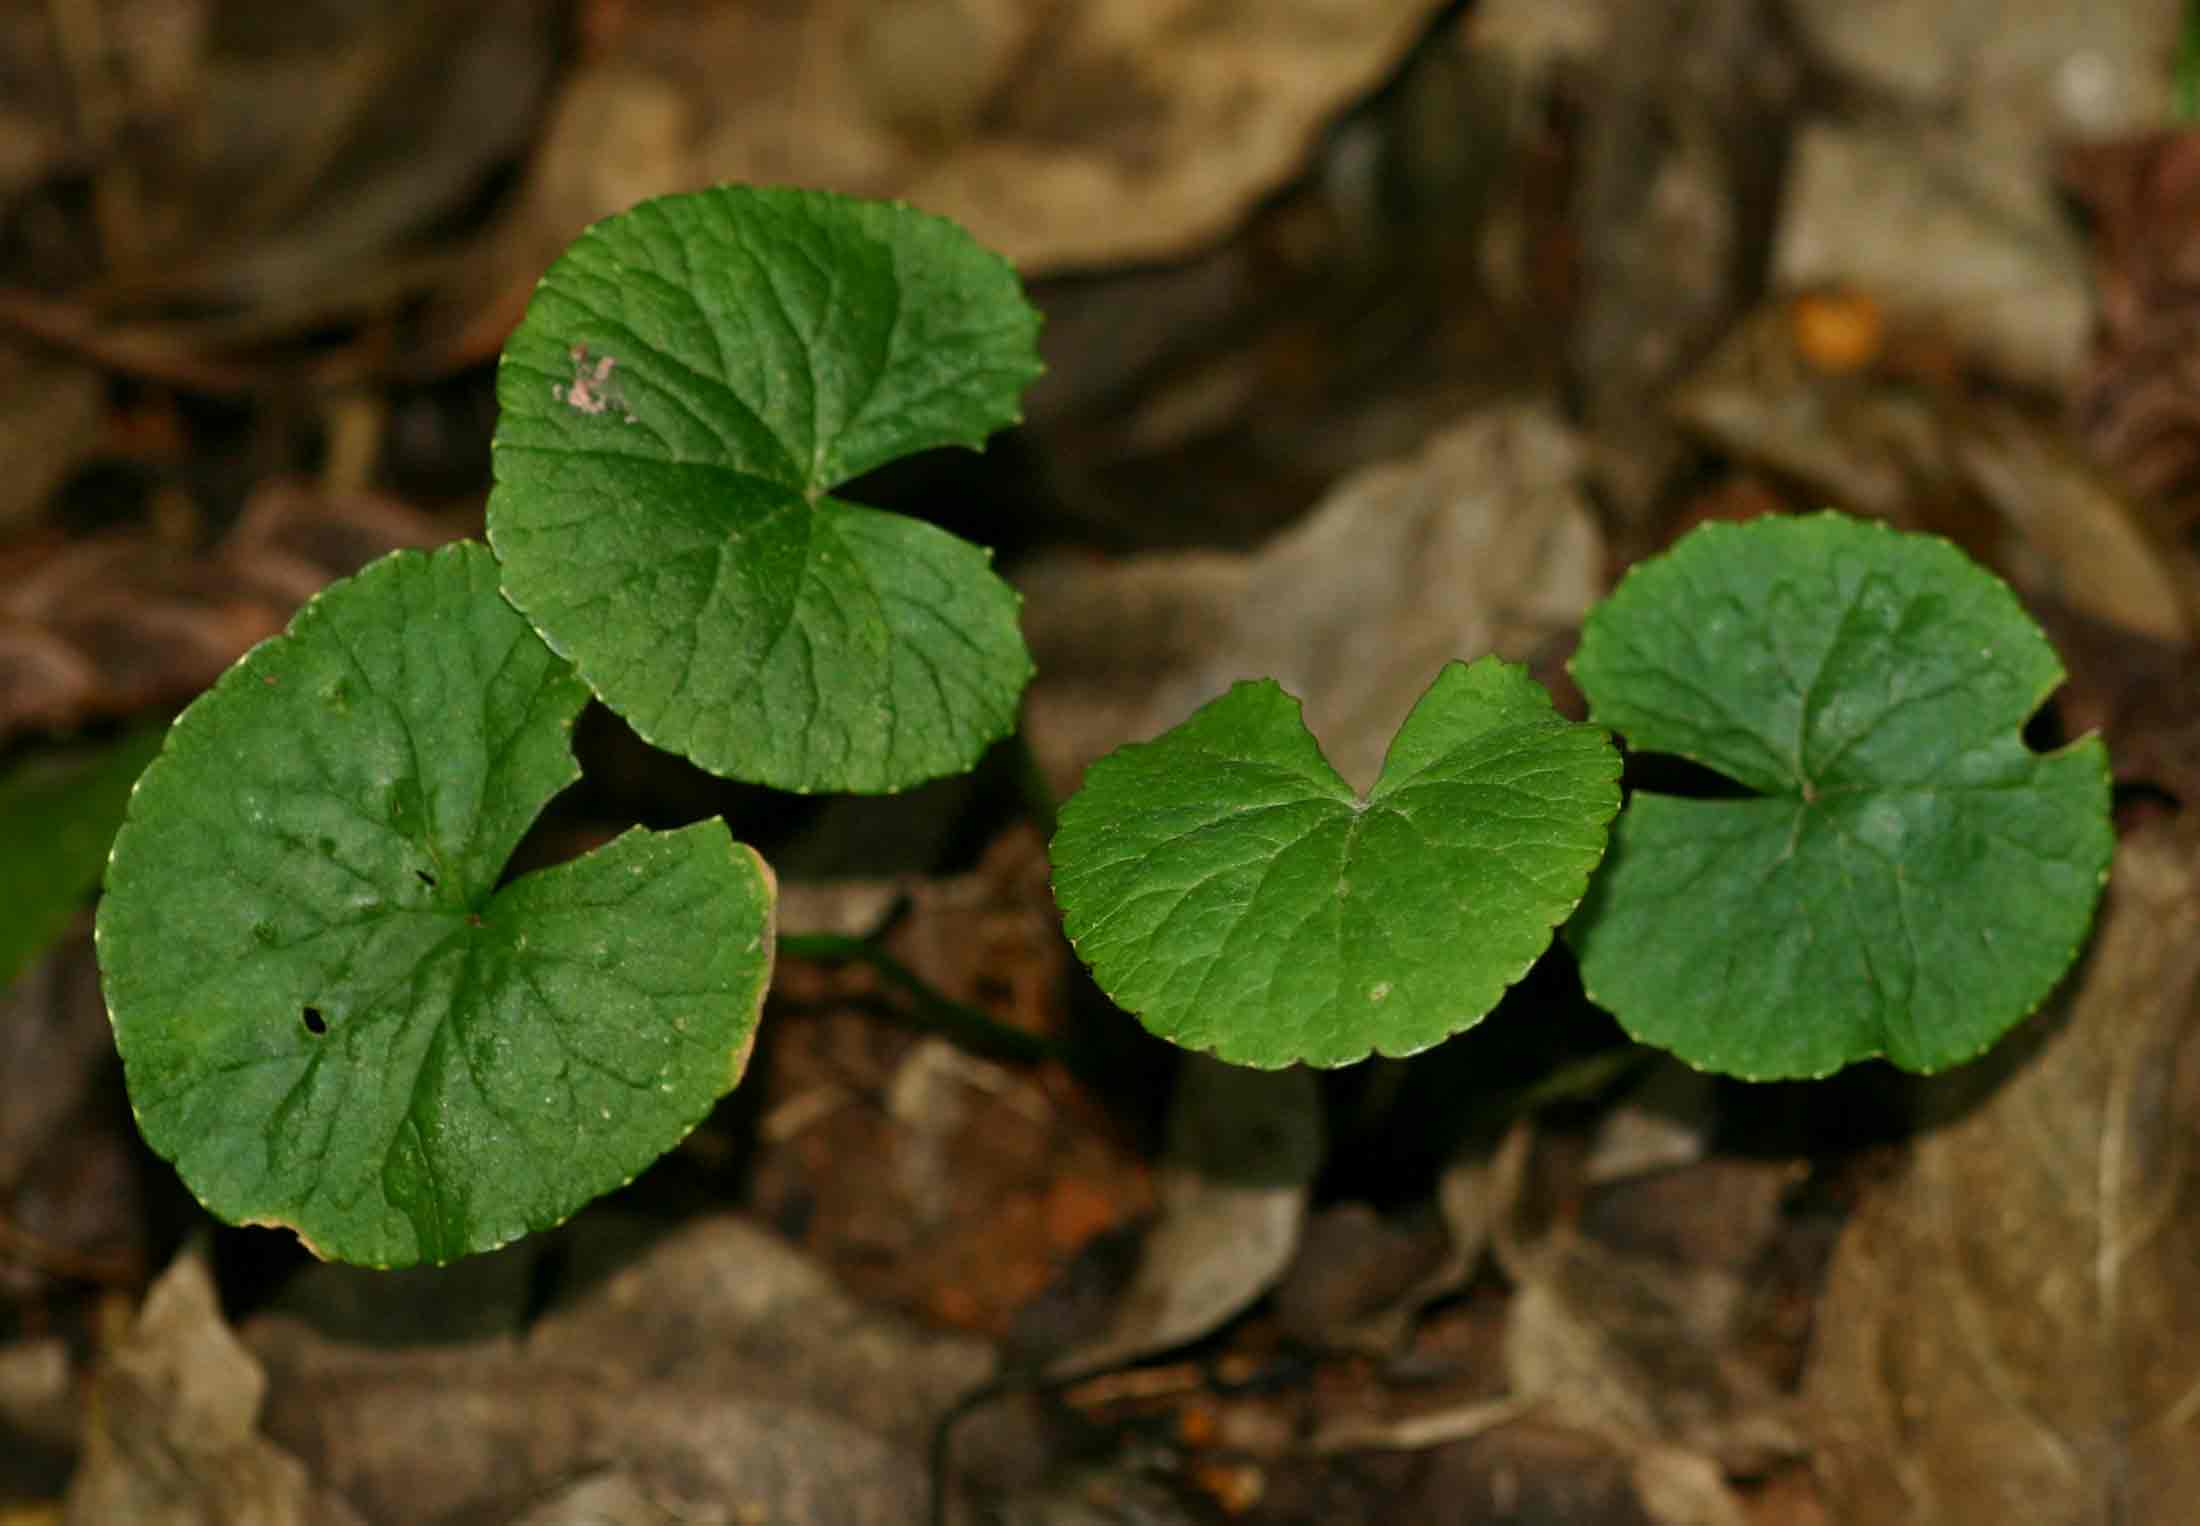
(1376, 335)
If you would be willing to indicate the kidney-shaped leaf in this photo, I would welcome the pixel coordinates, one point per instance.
(1908, 879)
(331, 1017)
(1230, 889)
(692, 378)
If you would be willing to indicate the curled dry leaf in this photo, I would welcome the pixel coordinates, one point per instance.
(2012, 1329)
(1880, 445)
(174, 1438)
(2138, 696)
(718, 1365)
(1683, 150)
(1962, 234)
(924, 1176)
(1244, 1148)
(2035, 74)
(1073, 135)
(1664, 1120)
(122, 623)
(1480, 542)
(1645, 1350)
(274, 167)
(1634, 1324)
(2078, 538)
(1358, 1278)
(1868, 447)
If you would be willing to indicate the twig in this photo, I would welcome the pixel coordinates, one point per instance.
(966, 1025)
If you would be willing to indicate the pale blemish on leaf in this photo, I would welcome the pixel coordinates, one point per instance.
(806, 713)
(592, 390)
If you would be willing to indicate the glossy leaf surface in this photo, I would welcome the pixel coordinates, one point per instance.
(692, 380)
(333, 1017)
(1904, 876)
(1229, 888)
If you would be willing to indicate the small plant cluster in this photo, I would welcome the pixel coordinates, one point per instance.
(337, 1016)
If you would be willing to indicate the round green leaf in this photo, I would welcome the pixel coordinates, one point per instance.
(1908, 878)
(1230, 889)
(692, 378)
(330, 1016)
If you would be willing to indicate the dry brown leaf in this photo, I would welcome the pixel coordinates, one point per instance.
(259, 154)
(719, 1364)
(1074, 135)
(1631, 1319)
(1358, 1278)
(2038, 74)
(50, 408)
(1528, 1471)
(1960, 234)
(174, 1437)
(35, 1402)
(2137, 695)
(117, 624)
(1367, 1295)
(2078, 538)
(614, 1497)
(421, 1450)
(1644, 1350)
(1682, 153)
(1850, 441)
(1244, 1148)
(932, 1180)
(1665, 1119)
(2012, 1330)
(926, 1177)
(1480, 542)
(2027, 498)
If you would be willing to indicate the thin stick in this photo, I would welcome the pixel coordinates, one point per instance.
(966, 1025)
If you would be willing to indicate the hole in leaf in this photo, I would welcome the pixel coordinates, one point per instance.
(426, 878)
(315, 1023)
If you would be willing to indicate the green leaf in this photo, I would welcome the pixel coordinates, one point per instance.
(1908, 878)
(692, 378)
(330, 1015)
(1228, 887)
(57, 819)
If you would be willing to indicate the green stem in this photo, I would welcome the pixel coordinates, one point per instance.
(964, 1024)
(1031, 782)
(1579, 1080)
